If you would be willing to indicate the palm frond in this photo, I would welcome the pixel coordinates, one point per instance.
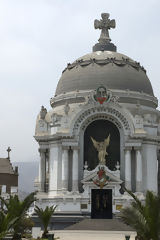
(144, 218)
(45, 215)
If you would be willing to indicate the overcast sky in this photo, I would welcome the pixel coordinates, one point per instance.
(39, 37)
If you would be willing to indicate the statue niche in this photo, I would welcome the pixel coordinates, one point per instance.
(105, 133)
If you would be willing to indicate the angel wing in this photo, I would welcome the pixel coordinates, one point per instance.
(107, 141)
(96, 145)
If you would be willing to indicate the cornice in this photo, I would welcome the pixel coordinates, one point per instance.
(125, 96)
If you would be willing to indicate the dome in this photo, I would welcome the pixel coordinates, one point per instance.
(110, 69)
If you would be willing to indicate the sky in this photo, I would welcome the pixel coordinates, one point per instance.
(37, 40)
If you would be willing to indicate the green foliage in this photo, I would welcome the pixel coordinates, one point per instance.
(25, 224)
(144, 218)
(17, 209)
(45, 217)
(5, 223)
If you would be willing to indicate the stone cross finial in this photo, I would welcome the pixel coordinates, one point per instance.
(8, 150)
(105, 24)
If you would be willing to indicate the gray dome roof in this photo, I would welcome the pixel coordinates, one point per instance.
(110, 69)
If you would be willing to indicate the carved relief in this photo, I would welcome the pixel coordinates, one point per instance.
(66, 108)
(150, 118)
(42, 127)
(101, 112)
(138, 121)
(56, 118)
(101, 96)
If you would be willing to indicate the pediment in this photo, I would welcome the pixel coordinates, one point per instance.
(91, 176)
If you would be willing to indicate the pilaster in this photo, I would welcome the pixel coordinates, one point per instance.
(138, 170)
(42, 169)
(65, 159)
(75, 170)
(128, 168)
(150, 166)
(55, 171)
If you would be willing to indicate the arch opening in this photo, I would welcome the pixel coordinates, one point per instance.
(99, 130)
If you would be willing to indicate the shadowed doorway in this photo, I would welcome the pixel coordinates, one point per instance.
(101, 204)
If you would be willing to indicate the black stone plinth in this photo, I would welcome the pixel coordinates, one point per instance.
(104, 47)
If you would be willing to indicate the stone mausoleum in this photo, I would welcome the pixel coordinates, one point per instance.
(8, 177)
(102, 132)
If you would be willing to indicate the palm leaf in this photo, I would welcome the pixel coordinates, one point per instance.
(17, 209)
(45, 216)
(144, 218)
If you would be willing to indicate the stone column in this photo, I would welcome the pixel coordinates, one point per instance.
(42, 169)
(138, 170)
(65, 169)
(128, 168)
(150, 168)
(75, 170)
(55, 169)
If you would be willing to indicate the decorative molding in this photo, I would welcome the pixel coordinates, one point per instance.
(103, 62)
(106, 96)
(124, 95)
(101, 112)
(56, 119)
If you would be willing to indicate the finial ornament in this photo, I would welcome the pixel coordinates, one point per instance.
(8, 150)
(105, 24)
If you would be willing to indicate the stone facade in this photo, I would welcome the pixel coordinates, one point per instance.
(61, 148)
(64, 178)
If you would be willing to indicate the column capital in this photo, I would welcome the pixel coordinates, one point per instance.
(42, 150)
(75, 147)
(65, 147)
(127, 148)
(137, 148)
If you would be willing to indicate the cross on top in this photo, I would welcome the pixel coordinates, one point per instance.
(8, 150)
(105, 24)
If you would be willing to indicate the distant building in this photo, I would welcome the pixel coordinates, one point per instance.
(8, 176)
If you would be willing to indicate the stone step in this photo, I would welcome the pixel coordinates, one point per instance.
(100, 225)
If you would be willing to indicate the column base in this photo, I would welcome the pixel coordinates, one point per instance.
(75, 186)
(64, 185)
(65, 192)
(54, 193)
(138, 186)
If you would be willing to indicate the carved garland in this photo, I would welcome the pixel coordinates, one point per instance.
(99, 115)
(101, 62)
